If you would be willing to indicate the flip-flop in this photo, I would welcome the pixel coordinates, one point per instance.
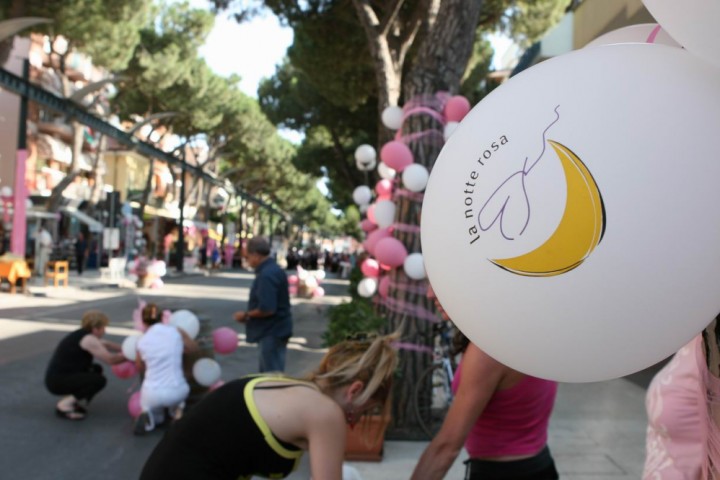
(69, 415)
(80, 409)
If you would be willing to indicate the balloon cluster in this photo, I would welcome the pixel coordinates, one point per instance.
(152, 270)
(306, 283)
(205, 371)
(385, 251)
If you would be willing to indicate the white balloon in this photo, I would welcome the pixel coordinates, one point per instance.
(641, 33)
(129, 347)
(386, 172)
(415, 177)
(362, 195)
(554, 223)
(206, 371)
(320, 274)
(367, 287)
(414, 266)
(449, 128)
(365, 153)
(693, 23)
(384, 213)
(365, 166)
(392, 117)
(186, 320)
(311, 281)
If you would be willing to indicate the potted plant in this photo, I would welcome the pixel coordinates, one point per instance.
(364, 442)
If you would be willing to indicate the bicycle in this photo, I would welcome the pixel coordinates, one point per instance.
(433, 391)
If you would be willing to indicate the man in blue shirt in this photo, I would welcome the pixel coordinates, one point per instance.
(268, 319)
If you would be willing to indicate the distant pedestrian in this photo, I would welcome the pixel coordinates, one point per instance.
(71, 371)
(81, 252)
(159, 355)
(44, 248)
(268, 318)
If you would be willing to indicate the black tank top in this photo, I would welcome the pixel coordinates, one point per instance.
(69, 356)
(224, 437)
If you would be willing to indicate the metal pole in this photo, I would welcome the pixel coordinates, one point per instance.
(19, 221)
(180, 254)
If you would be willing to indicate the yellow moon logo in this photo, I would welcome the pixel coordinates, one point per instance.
(580, 229)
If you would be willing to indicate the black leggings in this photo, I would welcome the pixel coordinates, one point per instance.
(82, 385)
(539, 467)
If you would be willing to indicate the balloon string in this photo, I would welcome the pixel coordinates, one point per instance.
(412, 347)
(436, 101)
(653, 34)
(418, 311)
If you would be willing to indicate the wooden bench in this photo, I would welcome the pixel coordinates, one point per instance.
(58, 271)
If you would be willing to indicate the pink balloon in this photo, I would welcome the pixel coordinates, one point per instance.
(384, 197)
(384, 188)
(124, 370)
(391, 252)
(133, 405)
(370, 267)
(373, 238)
(384, 286)
(456, 108)
(225, 340)
(371, 213)
(293, 279)
(217, 385)
(367, 225)
(318, 292)
(396, 155)
(293, 289)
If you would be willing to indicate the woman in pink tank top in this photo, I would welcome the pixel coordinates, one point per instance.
(683, 438)
(500, 415)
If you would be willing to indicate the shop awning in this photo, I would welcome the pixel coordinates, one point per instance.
(93, 225)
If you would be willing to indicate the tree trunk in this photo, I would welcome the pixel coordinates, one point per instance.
(148, 186)
(439, 65)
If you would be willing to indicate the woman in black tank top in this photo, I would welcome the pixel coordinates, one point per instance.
(260, 425)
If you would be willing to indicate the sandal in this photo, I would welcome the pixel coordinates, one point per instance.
(79, 409)
(69, 415)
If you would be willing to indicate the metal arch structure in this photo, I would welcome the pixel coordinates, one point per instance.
(20, 86)
(24, 88)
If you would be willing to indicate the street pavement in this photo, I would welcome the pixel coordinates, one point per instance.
(597, 430)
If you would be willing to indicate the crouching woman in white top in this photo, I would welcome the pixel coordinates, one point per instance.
(159, 355)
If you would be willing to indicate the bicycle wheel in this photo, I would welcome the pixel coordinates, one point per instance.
(432, 398)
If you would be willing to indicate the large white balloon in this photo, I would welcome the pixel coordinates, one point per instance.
(206, 371)
(385, 172)
(366, 166)
(415, 177)
(693, 23)
(574, 236)
(641, 33)
(186, 320)
(414, 266)
(367, 287)
(129, 347)
(392, 117)
(384, 213)
(362, 195)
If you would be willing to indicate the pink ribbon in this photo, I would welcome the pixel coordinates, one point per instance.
(418, 311)
(414, 347)
(407, 228)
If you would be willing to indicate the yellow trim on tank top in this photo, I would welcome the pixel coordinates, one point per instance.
(260, 422)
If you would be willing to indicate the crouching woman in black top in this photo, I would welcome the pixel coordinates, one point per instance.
(260, 425)
(71, 371)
